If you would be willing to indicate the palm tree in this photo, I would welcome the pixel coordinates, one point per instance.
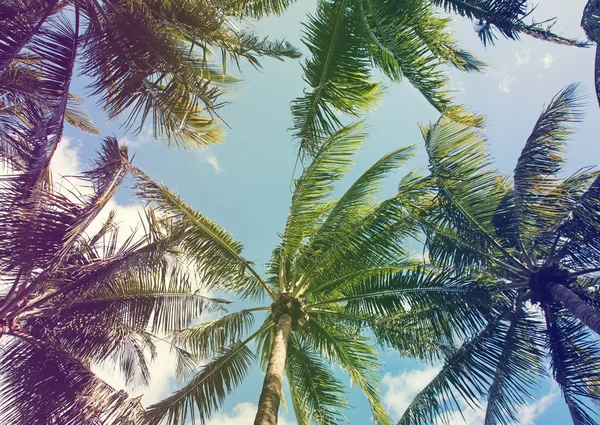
(341, 265)
(532, 239)
(404, 40)
(150, 60)
(73, 300)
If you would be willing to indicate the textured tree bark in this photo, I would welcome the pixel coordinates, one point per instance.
(571, 301)
(268, 403)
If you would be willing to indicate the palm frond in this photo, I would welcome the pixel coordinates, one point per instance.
(575, 364)
(335, 158)
(393, 296)
(337, 73)
(535, 175)
(260, 8)
(215, 254)
(590, 24)
(206, 390)
(316, 393)
(470, 194)
(21, 21)
(506, 17)
(502, 15)
(410, 41)
(78, 117)
(372, 237)
(207, 338)
(581, 229)
(354, 354)
(356, 201)
(469, 370)
(43, 384)
(519, 365)
(250, 46)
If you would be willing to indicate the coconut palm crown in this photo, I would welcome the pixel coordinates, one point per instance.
(340, 266)
(533, 238)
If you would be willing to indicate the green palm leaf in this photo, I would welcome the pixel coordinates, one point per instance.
(354, 354)
(212, 337)
(575, 364)
(206, 390)
(216, 255)
(469, 193)
(541, 159)
(335, 158)
(356, 202)
(337, 73)
(412, 42)
(316, 392)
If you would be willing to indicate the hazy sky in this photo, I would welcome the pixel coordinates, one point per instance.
(244, 183)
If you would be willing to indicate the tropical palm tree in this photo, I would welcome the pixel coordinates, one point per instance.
(341, 265)
(149, 60)
(72, 300)
(533, 239)
(404, 40)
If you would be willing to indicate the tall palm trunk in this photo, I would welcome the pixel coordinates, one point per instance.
(571, 301)
(268, 403)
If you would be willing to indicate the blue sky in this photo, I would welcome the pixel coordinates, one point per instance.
(244, 184)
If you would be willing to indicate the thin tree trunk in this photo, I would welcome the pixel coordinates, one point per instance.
(571, 301)
(268, 403)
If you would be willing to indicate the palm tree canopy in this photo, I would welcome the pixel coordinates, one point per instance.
(341, 265)
(151, 60)
(527, 238)
(73, 298)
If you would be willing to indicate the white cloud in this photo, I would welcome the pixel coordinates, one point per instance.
(547, 60)
(208, 157)
(523, 57)
(401, 389)
(505, 82)
(124, 141)
(527, 414)
(242, 414)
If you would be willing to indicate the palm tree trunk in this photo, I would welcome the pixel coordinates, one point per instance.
(268, 403)
(571, 301)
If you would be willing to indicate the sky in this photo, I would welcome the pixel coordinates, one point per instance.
(245, 183)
